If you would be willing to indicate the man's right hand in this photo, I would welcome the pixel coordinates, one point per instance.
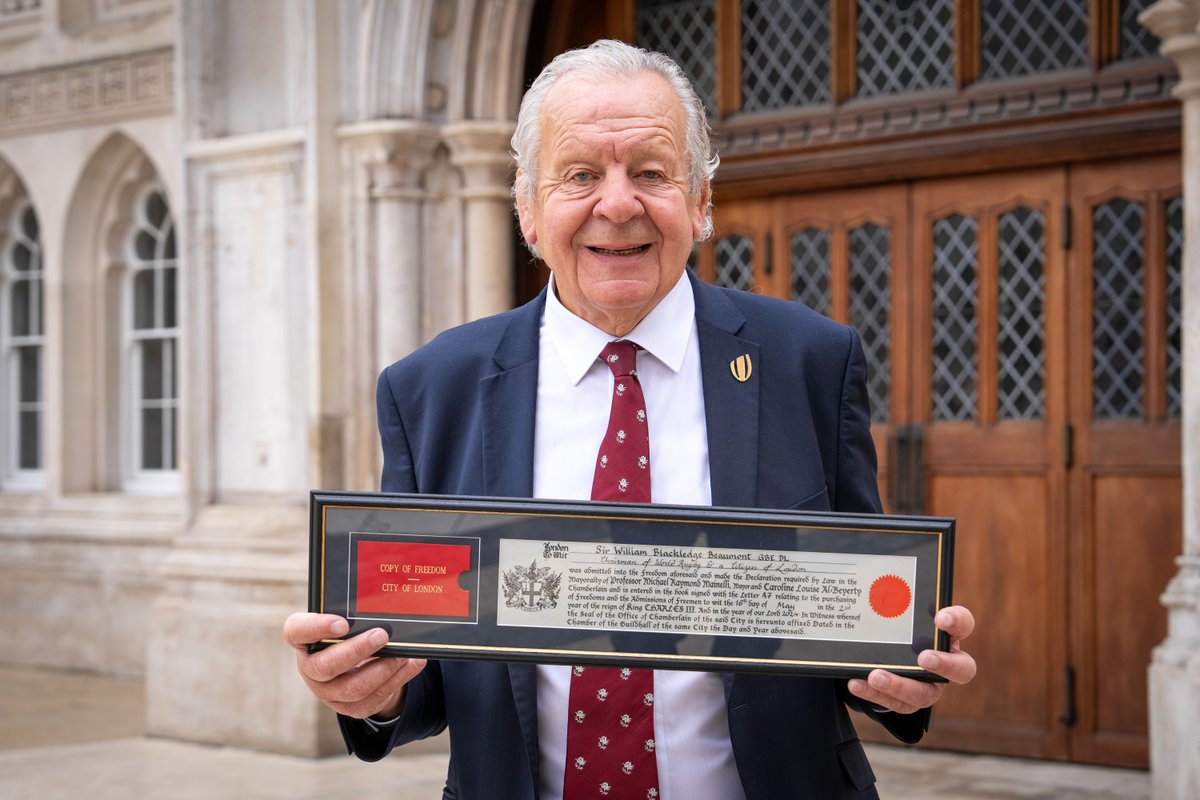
(347, 676)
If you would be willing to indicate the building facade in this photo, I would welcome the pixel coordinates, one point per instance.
(219, 220)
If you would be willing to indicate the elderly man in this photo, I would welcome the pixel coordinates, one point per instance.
(612, 191)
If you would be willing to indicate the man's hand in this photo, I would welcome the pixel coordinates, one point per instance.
(347, 676)
(905, 695)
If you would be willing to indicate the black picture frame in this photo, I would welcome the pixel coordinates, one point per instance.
(645, 585)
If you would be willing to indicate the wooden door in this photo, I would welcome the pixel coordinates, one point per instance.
(989, 394)
(844, 254)
(1125, 489)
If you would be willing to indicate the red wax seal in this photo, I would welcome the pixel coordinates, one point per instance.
(890, 596)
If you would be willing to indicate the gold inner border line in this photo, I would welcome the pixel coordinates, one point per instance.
(460, 648)
(644, 518)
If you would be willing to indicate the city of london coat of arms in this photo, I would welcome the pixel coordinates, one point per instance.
(531, 588)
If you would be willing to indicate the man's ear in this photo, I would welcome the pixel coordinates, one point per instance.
(524, 212)
(698, 213)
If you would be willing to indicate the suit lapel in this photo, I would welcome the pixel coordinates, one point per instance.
(730, 405)
(508, 399)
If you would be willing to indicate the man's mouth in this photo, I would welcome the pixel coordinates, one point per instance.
(626, 251)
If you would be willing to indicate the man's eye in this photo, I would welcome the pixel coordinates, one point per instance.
(581, 177)
(651, 174)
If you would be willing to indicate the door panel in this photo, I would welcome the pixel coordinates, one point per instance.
(988, 389)
(737, 256)
(1125, 487)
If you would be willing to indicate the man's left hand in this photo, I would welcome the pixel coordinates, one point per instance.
(905, 695)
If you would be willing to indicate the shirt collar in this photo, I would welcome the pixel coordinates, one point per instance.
(663, 333)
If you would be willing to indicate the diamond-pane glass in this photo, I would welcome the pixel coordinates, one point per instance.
(1117, 310)
(904, 47)
(955, 323)
(1021, 321)
(735, 259)
(870, 306)
(1033, 37)
(1174, 306)
(686, 31)
(785, 53)
(1137, 41)
(810, 269)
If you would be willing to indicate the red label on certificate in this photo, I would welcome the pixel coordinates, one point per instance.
(413, 579)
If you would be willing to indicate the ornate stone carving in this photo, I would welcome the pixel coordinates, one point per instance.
(137, 85)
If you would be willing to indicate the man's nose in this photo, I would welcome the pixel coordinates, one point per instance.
(618, 201)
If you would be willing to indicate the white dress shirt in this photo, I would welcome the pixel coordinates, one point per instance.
(574, 391)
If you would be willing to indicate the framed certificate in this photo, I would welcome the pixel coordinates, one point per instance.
(669, 587)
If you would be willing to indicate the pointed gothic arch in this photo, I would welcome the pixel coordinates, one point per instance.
(119, 201)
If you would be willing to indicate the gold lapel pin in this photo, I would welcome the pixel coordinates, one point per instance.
(741, 368)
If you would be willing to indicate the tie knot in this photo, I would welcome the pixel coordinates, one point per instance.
(620, 357)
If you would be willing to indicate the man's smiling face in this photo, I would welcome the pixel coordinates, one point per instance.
(613, 211)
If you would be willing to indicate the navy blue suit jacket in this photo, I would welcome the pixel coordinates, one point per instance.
(457, 417)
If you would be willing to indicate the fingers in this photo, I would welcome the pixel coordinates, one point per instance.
(327, 664)
(905, 695)
(347, 676)
(955, 666)
(300, 630)
(958, 621)
(901, 695)
(375, 688)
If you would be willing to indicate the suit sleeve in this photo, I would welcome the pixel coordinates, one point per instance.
(858, 490)
(424, 715)
(398, 474)
(857, 470)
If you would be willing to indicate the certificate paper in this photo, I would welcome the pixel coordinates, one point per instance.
(707, 590)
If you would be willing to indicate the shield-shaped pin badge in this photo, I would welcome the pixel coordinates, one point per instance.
(741, 368)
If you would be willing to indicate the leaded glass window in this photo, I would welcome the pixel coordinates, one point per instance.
(1117, 310)
(870, 306)
(904, 47)
(153, 330)
(1174, 306)
(686, 31)
(810, 269)
(1033, 37)
(785, 53)
(1137, 41)
(735, 262)
(23, 339)
(1021, 320)
(955, 320)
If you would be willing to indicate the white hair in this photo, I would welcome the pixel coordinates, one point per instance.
(608, 58)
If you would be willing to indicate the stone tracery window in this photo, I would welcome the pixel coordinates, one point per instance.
(151, 328)
(22, 344)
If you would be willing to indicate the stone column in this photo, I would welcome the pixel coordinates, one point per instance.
(385, 161)
(480, 149)
(1175, 665)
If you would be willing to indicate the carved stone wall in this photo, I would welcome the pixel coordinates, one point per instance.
(111, 89)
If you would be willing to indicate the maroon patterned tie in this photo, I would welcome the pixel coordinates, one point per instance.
(610, 733)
